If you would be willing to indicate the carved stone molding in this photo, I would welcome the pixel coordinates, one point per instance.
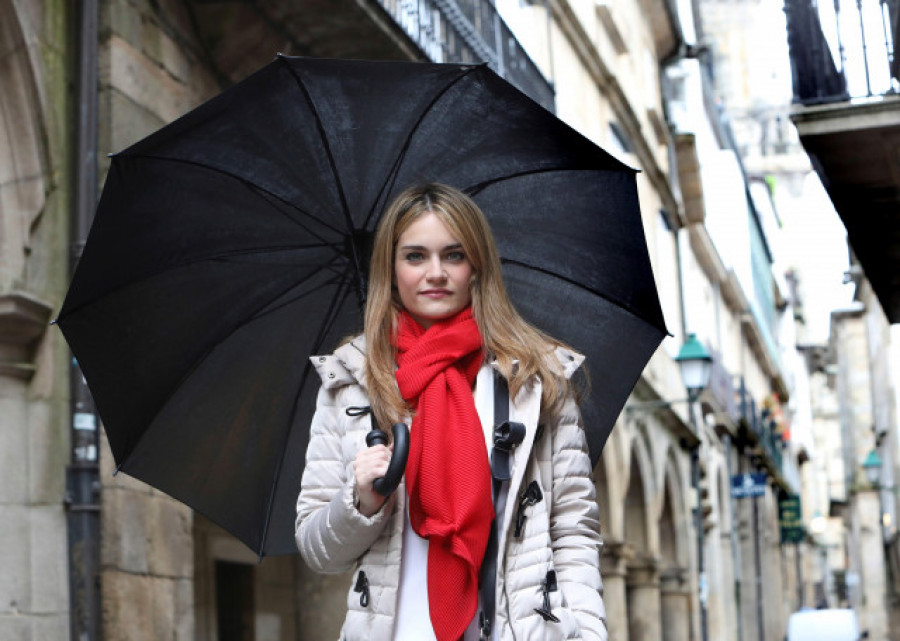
(23, 320)
(643, 571)
(674, 580)
(615, 558)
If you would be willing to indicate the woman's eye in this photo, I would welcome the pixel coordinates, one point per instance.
(456, 256)
(414, 256)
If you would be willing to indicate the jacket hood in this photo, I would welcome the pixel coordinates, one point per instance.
(346, 366)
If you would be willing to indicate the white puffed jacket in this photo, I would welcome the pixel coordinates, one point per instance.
(560, 532)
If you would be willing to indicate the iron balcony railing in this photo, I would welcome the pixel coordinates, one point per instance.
(470, 31)
(842, 49)
(761, 425)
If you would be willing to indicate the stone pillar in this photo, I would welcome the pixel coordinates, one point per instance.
(644, 606)
(675, 596)
(33, 586)
(614, 568)
(872, 578)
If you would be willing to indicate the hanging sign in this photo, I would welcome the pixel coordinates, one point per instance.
(748, 485)
(790, 518)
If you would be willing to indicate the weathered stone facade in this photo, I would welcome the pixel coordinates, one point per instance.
(34, 201)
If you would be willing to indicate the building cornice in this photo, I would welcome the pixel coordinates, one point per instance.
(609, 85)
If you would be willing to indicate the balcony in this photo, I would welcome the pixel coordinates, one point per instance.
(239, 36)
(470, 31)
(847, 112)
(758, 433)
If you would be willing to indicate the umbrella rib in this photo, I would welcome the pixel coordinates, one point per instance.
(251, 185)
(321, 129)
(618, 303)
(261, 313)
(336, 303)
(388, 184)
(204, 355)
(323, 331)
(269, 507)
(224, 256)
(474, 190)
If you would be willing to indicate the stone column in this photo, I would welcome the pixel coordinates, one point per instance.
(675, 596)
(33, 594)
(872, 573)
(644, 606)
(614, 568)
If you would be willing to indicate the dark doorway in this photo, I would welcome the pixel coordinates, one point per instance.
(234, 601)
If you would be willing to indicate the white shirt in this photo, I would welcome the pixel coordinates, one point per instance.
(413, 622)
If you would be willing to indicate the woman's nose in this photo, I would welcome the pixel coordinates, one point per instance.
(435, 269)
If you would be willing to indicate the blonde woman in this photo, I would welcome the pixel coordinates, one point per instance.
(480, 541)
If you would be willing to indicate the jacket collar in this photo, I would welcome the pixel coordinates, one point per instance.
(348, 363)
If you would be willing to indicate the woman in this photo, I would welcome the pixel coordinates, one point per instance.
(438, 329)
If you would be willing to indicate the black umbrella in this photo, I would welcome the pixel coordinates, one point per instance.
(231, 245)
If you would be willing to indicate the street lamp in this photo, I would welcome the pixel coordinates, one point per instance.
(872, 467)
(696, 365)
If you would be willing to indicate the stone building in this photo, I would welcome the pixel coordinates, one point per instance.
(93, 555)
(847, 116)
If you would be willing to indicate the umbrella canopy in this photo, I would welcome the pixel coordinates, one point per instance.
(231, 245)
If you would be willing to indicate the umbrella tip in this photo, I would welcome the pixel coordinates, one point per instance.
(116, 471)
(54, 321)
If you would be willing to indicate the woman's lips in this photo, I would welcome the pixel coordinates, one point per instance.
(436, 293)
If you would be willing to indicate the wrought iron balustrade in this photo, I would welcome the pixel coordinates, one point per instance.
(470, 31)
(760, 425)
(842, 49)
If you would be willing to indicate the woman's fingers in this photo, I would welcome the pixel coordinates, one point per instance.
(370, 464)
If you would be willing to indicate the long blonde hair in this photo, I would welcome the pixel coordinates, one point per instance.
(522, 351)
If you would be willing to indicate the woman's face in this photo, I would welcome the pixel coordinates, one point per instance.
(431, 271)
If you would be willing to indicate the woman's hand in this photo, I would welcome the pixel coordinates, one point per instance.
(371, 463)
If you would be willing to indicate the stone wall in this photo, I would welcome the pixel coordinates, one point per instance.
(35, 144)
(149, 75)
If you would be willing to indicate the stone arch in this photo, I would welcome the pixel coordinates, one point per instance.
(642, 540)
(22, 150)
(675, 535)
(609, 480)
(639, 498)
(674, 566)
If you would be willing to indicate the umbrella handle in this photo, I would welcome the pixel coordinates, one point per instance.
(391, 479)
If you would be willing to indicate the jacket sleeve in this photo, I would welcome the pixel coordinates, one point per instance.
(575, 525)
(331, 533)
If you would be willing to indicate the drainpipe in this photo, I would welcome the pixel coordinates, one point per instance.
(82, 474)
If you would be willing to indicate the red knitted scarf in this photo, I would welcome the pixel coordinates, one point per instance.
(448, 473)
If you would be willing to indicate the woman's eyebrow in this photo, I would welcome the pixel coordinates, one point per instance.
(423, 248)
